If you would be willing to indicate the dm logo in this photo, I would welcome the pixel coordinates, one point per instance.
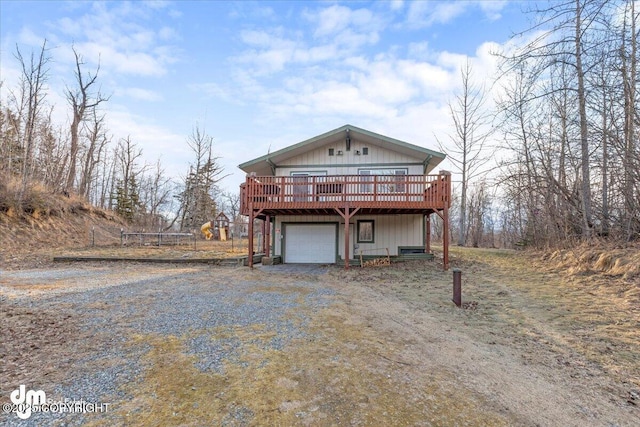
(25, 400)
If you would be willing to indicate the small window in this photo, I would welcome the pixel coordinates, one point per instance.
(365, 231)
(331, 151)
(365, 151)
(365, 176)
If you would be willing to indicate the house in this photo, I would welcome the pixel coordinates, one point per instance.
(344, 193)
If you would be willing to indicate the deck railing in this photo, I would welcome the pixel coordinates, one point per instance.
(367, 191)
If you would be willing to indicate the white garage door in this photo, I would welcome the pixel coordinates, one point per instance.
(310, 243)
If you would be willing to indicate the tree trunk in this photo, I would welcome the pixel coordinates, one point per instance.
(584, 135)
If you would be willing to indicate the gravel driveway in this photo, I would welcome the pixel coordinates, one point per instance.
(176, 345)
(95, 324)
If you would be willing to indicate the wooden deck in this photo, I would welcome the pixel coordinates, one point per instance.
(264, 197)
(381, 194)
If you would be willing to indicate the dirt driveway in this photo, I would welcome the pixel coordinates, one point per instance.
(196, 345)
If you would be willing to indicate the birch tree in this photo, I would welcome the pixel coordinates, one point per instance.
(467, 149)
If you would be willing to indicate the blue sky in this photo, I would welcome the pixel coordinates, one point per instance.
(262, 75)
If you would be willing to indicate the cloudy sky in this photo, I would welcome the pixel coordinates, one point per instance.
(259, 76)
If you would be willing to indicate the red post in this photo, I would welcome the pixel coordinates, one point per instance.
(427, 237)
(445, 218)
(346, 237)
(267, 236)
(250, 260)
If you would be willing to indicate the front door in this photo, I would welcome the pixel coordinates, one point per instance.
(300, 187)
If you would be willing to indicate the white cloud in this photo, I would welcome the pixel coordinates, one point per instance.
(396, 5)
(423, 14)
(344, 26)
(493, 8)
(431, 78)
(157, 4)
(139, 93)
(119, 37)
(29, 37)
(156, 141)
(213, 90)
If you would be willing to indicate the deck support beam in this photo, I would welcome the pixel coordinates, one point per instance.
(267, 237)
(445, 237)
(250, 236)
(427, 234)
(346, 215)
(252, 216)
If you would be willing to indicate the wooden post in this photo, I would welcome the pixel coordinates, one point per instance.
(347, 217)
(250, 232)
(346, 237)
(427, 237)
(267, 237)
(263, 228)
(445, 218)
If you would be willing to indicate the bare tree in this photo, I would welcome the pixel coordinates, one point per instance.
(51, 154)
(231, 205)
(29, 102)
(97, 141)
(9, 141)
(472, 129)
(126, 192)
(81, 101)
(480, 221)
(155, 194)
(567, 40)
(631, 164)
(197, 200)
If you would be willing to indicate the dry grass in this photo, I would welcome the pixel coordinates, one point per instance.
(36, 202)
(363, 361)
(538, 303)
(54, 225)
(605, 258)
(32, 242)
(586, 302)
(340, 377)
(203, 250)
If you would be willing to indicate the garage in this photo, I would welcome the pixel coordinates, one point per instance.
(310, 243)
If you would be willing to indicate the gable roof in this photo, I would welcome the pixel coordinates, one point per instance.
(263, 165)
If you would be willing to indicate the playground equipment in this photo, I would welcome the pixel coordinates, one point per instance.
(206, 230)
(217, 229)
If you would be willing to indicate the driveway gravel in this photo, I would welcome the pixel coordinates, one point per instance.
(193, 345)
(110, 306)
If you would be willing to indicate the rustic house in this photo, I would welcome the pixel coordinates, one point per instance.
(344, 193)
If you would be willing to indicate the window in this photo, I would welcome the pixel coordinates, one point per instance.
(400, 180)
(387, 181)
(365, 188)
(365, 151)
(365, 231)
(331, 151)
